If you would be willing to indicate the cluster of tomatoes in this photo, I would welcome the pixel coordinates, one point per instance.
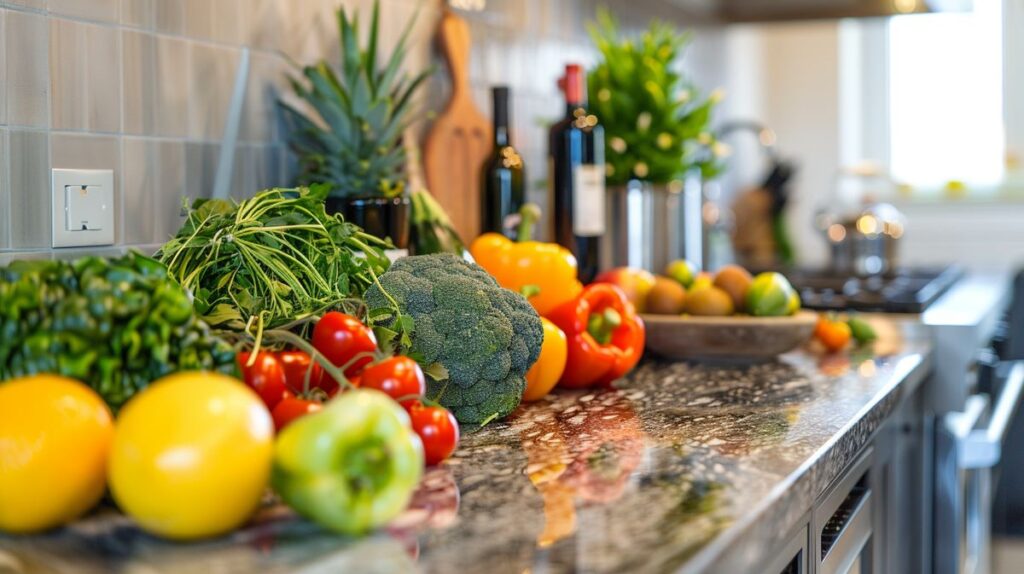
(293, 384)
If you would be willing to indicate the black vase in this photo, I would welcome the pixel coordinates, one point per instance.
(384, 217)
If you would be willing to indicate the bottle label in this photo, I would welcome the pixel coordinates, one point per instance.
(588, 203)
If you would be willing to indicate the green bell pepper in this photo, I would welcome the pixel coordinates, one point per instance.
(352, 466)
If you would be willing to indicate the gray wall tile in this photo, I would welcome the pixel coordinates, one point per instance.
(170, 16)
(212, 72)
(138, 82)
(219, 21)
(200, 168)
(141, 169)
(102, 10)
(170, 182)
(172, 87)
(267, 83)
(198, 20)
(85, 64)
(3, 70)
(28, 69)
(139, 13)
(91, 152)
(35, 4)
(261, 23)
(5, 170)
(29, 189)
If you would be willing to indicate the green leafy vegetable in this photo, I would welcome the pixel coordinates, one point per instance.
(656, 125)
(115, 324)
(485, 337)
(277, 256)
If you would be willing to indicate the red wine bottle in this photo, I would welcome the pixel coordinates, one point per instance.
(576, 159)
(503, 174)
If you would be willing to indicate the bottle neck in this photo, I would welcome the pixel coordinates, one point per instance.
(501, 117)
(501, 135)
(571, 107)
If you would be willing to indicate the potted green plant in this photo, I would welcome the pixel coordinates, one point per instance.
(352, 138)
(657, 134)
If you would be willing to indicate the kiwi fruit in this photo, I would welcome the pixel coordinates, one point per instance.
(735, 281)
(666, 297)
(709, 302)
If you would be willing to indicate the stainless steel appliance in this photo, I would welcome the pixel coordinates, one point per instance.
(968, 448)
(905, 290)
(969, 402)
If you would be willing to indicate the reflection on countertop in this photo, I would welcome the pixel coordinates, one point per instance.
(682, 466)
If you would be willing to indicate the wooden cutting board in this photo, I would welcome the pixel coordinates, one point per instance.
(461, 137)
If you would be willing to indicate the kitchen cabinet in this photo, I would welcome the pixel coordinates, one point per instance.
(872, 518)
(902, 483)
(793, 557)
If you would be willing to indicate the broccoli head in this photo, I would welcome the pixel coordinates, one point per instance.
(487, 337)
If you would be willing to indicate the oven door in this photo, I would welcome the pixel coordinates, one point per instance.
(968, 445)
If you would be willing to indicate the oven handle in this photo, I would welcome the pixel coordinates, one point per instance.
(982, 448)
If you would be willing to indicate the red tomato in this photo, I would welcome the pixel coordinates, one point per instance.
(296, 364)
(341, 337)
(397, 377)
(438, 430)
(292, 408)
(265, 376)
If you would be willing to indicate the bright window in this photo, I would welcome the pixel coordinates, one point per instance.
(946, 97)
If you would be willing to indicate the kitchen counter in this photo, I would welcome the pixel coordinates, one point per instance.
(682, 467)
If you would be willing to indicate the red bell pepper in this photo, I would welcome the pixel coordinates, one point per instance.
(606, 337)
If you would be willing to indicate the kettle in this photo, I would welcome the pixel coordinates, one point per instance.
(863, 233)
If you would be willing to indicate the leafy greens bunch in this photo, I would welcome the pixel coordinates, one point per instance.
(115, 324)
(277, 257)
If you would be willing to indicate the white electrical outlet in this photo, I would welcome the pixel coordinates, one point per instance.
(83, 207)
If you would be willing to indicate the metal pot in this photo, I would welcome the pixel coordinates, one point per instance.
(650, 225)
(867, 242)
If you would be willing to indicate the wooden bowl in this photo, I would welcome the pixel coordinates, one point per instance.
(740, 339)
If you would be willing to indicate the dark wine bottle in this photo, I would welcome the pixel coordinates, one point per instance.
(503, 174)
(576, 162)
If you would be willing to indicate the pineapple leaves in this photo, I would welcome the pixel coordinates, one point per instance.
(360, 111)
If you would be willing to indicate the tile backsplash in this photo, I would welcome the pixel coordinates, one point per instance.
(142, 87)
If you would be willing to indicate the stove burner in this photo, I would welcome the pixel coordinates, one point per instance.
(901, 291)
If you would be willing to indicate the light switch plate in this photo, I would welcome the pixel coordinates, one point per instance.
(83, 207)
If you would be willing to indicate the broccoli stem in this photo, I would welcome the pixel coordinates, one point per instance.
(601, 325)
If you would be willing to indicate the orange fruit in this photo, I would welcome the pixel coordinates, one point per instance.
(55, 437)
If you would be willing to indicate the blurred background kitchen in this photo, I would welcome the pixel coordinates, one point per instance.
(878, 142)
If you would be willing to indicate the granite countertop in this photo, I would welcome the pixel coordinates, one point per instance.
(681, 467)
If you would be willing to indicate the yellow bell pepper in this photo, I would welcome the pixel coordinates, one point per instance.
(547, 267)
(544, 374)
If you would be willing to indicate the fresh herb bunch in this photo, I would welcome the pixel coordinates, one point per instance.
(656, 123)
(115, 324)
(277, 257)
(354, 139)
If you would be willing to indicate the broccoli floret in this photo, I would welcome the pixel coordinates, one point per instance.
(487, 337)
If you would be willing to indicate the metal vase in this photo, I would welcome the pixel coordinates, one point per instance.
(651, 225)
